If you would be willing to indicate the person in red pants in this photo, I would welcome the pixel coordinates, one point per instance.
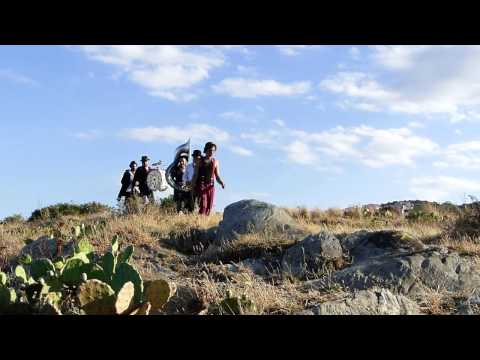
(204, 179)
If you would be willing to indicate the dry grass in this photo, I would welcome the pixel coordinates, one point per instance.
(151, 229)
(269, 298)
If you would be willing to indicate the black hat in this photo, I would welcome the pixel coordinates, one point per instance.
(133, 162)
(145, 158)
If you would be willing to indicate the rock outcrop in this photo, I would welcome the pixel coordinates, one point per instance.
(47, 247)
(392, 260)
(367, 302)
(312, 254)
(249, 216)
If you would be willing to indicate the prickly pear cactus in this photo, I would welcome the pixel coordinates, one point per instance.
(109, 263)
(94, 271)
(115, 245)
(72, 271)
(84, 246)
(7, 297)
(126, 254)
(125, 273)
(40, 268)
(124, 299)
(143, 309)
(25, 259)
(96, 298)
(3, 278)
(158, 292)
(21, 274)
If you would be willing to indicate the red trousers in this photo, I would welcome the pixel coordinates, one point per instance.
(206, 194)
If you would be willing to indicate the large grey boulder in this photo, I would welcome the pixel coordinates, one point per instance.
(369, 302)
(392, 260)
(312, 254)
(47, 247)
(249, 216)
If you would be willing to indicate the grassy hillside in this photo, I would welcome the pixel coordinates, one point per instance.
(157, 234)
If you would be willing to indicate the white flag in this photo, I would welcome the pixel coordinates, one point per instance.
(183, 150)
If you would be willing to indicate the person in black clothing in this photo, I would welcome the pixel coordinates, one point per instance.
(141, 178)
(181, 198)
(127, 182)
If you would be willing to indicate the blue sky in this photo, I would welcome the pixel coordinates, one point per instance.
(316, 126)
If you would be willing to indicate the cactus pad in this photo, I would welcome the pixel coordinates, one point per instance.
(143, 309)
(39, 268)
(96, 298)
(125, 273)
(124, 298)
(158, 292)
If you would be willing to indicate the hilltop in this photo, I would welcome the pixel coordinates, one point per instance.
(261, 259)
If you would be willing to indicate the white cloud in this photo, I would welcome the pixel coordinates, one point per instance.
(417, 80)
(292, 50)
(415, 125)
(355, 52)
(88, 135)
(363, 144)
(300, 153)
(279, 122)
(15, 77)
(163, 70)
(237, 117)
(393, 146)
(239, 150)
(269, 137)
(247, 70)
(442, 188)
(464, 155)
(251, 88)
(173, 134)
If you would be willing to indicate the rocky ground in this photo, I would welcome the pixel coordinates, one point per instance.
(269, 262)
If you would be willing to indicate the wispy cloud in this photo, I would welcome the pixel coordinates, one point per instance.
(442, 188)
(88, 135)
(428, 80)
(293, 50)
(237, 116)
(175, 134)
(369, 146)
(239, 150)
(10, 75)
(463, 155)
(170, 72)
(251, 88)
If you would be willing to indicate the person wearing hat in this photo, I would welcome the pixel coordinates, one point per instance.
(127, 182)
(188, 177)
(141, 178)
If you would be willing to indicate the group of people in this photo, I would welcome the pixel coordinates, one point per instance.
(195, 182)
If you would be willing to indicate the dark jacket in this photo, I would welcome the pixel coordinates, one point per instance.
(126, 182)
(177, 177)
(141, 176)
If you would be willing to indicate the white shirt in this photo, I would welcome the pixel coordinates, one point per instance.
(188, 174)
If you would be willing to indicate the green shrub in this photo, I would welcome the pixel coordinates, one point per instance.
(16, 218)
(64, 209)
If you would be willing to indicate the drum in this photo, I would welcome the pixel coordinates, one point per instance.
(156, 180)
